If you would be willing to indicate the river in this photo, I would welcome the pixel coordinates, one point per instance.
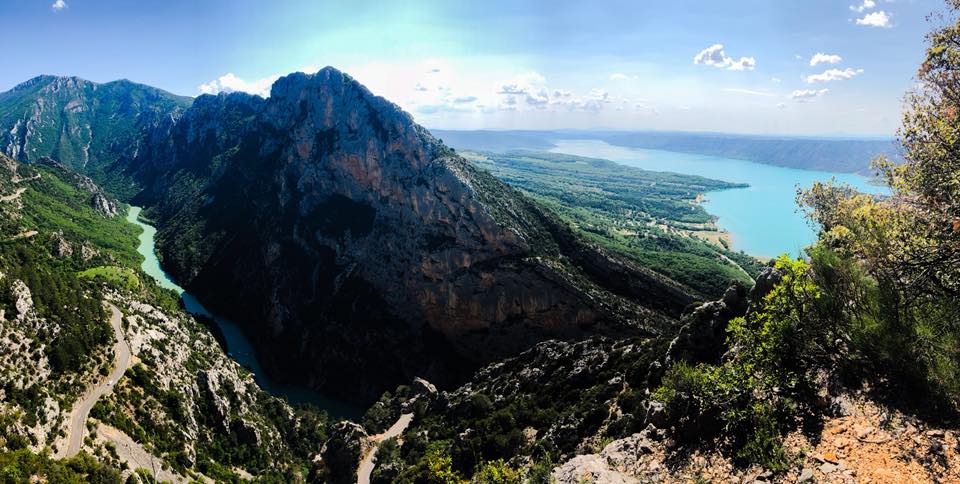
(763, 219)
(238, 346)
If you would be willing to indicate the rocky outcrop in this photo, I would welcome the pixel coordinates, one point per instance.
(341, 453)
(358, 230)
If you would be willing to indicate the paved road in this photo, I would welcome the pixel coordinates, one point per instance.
(81, 409)
(366, 465)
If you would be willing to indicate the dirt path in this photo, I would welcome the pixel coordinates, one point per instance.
(14, 196)
(366, 465)
(78, 416)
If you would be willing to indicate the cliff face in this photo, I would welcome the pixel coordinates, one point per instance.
(362, 251)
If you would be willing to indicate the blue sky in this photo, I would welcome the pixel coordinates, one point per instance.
(510, 64)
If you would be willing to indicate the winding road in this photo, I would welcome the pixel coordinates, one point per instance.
(81, 409)
(366, 465)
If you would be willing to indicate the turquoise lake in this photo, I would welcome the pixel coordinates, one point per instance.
(763, 219)
(238, 346)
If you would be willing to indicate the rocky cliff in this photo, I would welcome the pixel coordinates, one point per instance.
(361, 251)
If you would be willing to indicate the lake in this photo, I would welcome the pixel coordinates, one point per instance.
(763, 219)
(238, 346)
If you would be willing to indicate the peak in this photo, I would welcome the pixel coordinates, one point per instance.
(330, 91)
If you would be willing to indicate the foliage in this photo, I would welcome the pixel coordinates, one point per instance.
(23, 466)
(896, 261)
(754, 393)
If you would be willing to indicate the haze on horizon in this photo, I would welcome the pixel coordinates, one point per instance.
(800, 67)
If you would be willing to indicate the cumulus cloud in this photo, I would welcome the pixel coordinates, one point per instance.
(834, 75)
(781, 105)
(876, 19)
(803, 95)
(464, 99)
(821, 58)
(420, 88)
(231, 83)
(58, 5)
(714, 56)
(866, 5)
(775, 80)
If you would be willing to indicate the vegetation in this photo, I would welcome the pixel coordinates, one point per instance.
(23, 466)
(649, 217)
(876, 306)
(117, 276)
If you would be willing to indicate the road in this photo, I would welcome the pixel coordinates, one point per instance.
(81, 410)
(366, 465)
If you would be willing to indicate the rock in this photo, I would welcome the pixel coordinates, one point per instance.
(656, 415)
(935, 433)
(827, 468)
(61, 248)
(703, 336)
(766, 280)
(342, 451)
(865, 432)
(830, 458)
(589, 468)
(805, 475)
(423, 388)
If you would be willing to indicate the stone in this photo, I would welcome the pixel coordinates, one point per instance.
(805, 475)
(827, 468)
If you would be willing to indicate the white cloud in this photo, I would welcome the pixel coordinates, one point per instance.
(59, 5)
(748, 91)
(803, 95)
(821, 58)
(619, 76)
(876, 19)
(714, 56)
(866, 5)
(834, 75)
(775, 80)
(231, 83)
(781, 105)
(464, 99)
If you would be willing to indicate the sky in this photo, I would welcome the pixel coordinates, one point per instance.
(801, 67)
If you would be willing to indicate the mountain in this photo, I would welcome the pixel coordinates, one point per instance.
(361, 252)
(87, 126)
(825, 154)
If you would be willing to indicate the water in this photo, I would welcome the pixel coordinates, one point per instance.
(238, 346)
(763, 219)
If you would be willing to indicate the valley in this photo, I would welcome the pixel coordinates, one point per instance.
(292, 279)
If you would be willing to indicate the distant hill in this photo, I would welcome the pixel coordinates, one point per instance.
(837, 155)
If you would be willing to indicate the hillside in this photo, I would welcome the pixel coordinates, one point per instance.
(180, 407)
(653, 218)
